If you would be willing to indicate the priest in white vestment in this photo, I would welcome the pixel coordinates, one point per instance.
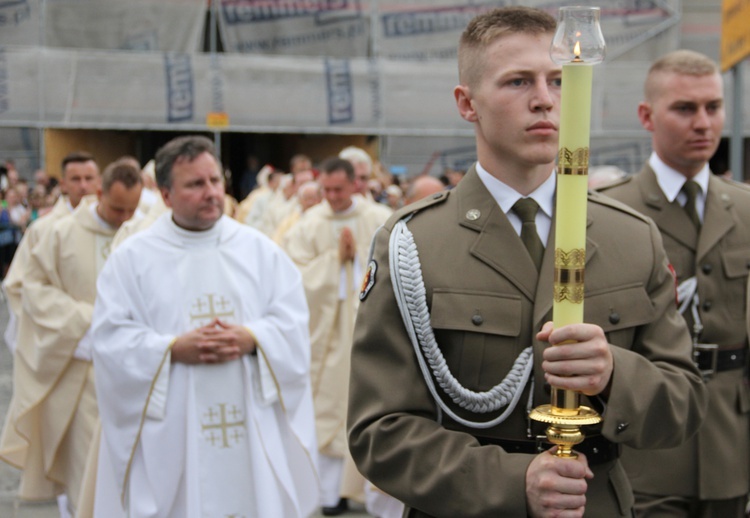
(309, 194)
(52, 414)
(79, 178)
(253, 208)
(202, 360)
(286, 204)
(330, 245)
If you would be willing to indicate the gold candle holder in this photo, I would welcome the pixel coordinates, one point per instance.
(578, 44)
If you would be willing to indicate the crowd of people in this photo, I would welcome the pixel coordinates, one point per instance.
(21, 206)
(339, 335)
(306, 221)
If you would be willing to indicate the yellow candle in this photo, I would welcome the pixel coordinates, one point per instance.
(579, 32)
(572, 185)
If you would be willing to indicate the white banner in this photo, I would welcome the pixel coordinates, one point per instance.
(64, 87)
(406, 30)
(123, 89)
(143, 25)
(19, 22)
(427, 29)
(113, 89)
(336, 28)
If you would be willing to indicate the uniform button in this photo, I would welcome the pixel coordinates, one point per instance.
(707, 306)
(621, 427)
(614, 318)
(707, 268)
(477, 320)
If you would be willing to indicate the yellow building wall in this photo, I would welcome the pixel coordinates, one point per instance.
(105, 145)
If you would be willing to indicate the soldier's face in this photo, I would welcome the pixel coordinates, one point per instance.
(515, 102)
(196, 195)
(685, 117)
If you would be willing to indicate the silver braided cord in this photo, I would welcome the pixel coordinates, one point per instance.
(687, 295)
(408, 287)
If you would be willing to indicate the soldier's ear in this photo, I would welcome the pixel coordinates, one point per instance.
(645, 115)
(465, 104)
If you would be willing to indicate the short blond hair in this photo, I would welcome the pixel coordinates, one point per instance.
(682, 62)
(486, 28)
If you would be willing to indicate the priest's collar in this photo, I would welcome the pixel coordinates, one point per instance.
(351, 208)
(99, 220)
(198, 237)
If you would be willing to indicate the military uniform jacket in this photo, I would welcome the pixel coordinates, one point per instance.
(487, 302)
(715, 464)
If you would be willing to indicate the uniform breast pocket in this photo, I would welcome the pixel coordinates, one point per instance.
(735, 262)
(479, 334)
(618, 311)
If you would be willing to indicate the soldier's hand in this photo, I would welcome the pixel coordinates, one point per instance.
(347, 246)
(556, 486)
(580, 360)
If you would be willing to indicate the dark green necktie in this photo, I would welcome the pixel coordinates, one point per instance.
(691, 190)
(526, 209)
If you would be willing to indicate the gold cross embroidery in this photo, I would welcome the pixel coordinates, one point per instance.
(210, 415)
(213, 438)
(212, 303)
(106, 249)
(224, 426)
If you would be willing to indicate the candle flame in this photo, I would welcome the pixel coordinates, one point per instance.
(577, 49)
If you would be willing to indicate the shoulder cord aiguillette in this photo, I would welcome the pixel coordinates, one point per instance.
(408, 286)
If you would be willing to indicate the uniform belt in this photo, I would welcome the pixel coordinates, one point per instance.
(597, 449)
(711, 360)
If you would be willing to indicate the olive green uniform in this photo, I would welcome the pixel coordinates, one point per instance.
(487, 302)
(715, 463)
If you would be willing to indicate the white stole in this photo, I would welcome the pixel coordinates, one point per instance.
(217, 418)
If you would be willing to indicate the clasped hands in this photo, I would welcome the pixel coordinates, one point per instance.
(557, 486)
(216, 342)
(347, 246)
